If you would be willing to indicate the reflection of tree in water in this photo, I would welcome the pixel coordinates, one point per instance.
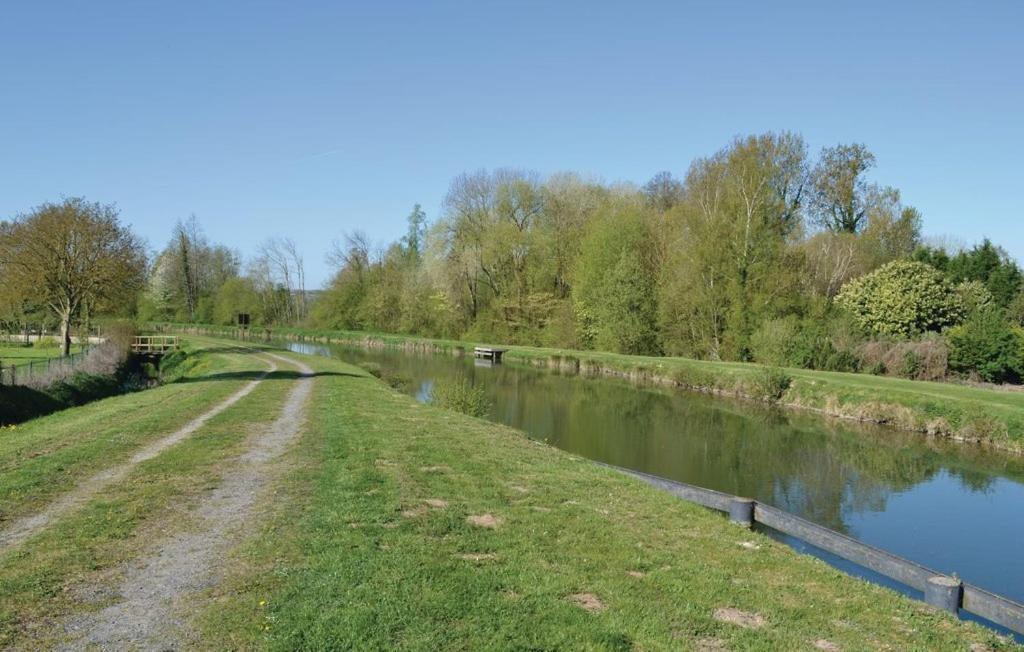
(974, 479)
(751, 452)
(822, 469)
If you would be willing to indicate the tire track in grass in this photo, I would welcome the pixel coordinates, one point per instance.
(157, 587)
(24, 527)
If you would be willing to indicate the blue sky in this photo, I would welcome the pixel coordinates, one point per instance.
(308, 119)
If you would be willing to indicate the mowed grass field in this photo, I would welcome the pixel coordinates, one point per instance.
(13, 355)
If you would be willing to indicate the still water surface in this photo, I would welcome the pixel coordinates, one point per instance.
(954, 508)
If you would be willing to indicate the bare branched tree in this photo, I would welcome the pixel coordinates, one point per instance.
(281, 264)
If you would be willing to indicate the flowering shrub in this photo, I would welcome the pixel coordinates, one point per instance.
(902, 298)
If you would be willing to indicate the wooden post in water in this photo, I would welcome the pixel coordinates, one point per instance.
(741, 511)
(944, 593)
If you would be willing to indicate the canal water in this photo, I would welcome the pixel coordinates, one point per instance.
(955, 508)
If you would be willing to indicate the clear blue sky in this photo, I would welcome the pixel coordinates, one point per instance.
(308, 119)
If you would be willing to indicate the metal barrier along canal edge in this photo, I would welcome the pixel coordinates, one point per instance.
(941, 591)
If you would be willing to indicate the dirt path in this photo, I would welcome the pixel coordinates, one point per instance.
(26, 526)
(156, 588)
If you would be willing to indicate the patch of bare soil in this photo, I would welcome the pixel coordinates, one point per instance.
(478, 556)
(484, 520)
(740, 618)
(435, 469)
(23, 528)
(826, 645)
(711, 645)
(414, 512)
(587, 601)
(156, 589)
(436, 503)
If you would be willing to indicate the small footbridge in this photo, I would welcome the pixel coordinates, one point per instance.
(156, 345)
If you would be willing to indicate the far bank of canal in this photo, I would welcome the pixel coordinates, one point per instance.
(953, 507)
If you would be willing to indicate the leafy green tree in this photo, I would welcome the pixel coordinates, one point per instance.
(381, 305)
(342, 300)
(569, 204)
(1015, 313)
(990, 265)
(892, 230)
(237, 295)
(663, 191)
(987, 346)
(727, 261)
(184, 277)
(839, 197)
(492, 239)
(937, 257)
(71, 254)
(902, 298)
(414, 238)
(985, 262)
(974, 296)
(615, 291)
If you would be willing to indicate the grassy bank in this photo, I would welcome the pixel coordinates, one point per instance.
(405, 526)
(105, 370)
(991, 416)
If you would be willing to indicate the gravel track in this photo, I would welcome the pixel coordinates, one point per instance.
(23, 528)
(156, 590)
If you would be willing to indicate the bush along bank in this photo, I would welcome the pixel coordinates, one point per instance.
(989, 416)
(108, 370)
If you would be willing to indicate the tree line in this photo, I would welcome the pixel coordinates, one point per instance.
(760, 252)
(744, 258)
(194, 280)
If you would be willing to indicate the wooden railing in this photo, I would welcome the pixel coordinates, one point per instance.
(154, 344)
(941, 591)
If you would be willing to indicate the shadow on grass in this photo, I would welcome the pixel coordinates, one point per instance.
(234, 350)
(274, 375)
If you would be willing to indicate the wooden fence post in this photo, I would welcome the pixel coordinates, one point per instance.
(944, 593)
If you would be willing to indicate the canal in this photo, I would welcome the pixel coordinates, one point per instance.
(956, 508)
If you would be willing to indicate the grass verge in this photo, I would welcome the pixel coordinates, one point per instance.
(405, 526)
